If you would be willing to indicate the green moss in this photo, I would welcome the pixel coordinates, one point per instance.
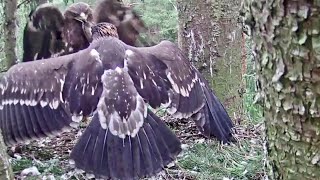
(19, 165)
(212, 161)
(46, 167)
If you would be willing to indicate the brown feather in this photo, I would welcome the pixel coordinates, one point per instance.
(104, 30)
(77, 29)
(42, 33)
(49, 33)
(114, 82)
(126, 20)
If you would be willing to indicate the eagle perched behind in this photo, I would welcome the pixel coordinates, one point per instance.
(115, 83)
(50, 33)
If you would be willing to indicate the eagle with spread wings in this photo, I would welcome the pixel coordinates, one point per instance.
(116, 84)
(49, 32)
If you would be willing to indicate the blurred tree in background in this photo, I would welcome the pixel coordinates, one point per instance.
(161, 18)
(211, 36)
(209, 32)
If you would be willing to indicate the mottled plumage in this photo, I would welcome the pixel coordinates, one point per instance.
(49, 33)
(77, 27)
(43, 38)
(127, 21)
(114, 82)
(104, 29)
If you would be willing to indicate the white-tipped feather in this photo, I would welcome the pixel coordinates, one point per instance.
(74, 124)
(55, 104)
(77, 118)
(129, 52)
(102, 117)
(42, 103)
(174, 85)
(141, 83)
(94, 53)
(118, 70)
(117, 125)
(22, 102)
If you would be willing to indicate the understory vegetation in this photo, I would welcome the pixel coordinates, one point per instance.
(200, 159)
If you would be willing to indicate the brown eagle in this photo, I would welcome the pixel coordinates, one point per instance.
(50, 33)
(113, 82)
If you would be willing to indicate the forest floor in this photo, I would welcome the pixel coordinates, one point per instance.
(200, 159)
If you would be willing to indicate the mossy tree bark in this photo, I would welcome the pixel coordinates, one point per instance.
(287, 50)
(9, 26)
(210, 35)
(9, 34)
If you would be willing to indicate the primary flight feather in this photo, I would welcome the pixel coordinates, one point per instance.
(113, 82)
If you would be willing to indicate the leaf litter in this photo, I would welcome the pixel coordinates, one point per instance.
(48, 158)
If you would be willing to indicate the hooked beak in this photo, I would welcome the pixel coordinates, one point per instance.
(86, 25)
(82, 18)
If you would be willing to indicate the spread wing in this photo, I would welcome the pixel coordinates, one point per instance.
(124, 140)
(42, 36)
(163, 75)
(114, 82)
(41, 98)
(128, 22)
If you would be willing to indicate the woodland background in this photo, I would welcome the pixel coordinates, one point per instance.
(214, 38)
(232, 76)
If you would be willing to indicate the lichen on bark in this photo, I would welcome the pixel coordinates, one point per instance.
(210, 35)
(9, 26)
(286, 47)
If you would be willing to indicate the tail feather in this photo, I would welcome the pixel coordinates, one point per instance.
(107, 156)
(213, 120)
(219, 108)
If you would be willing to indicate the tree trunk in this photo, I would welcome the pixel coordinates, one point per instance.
(9, 34)
(9, 26)
(5, 168)
(210, 35)
(287, 50)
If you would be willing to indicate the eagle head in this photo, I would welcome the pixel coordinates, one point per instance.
(79, 11)
(77, 29)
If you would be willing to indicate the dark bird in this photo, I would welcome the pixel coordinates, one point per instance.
(49, 33)
(114, 83)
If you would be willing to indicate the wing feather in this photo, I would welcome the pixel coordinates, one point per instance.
(163, 76)
(114, 82)
(187, 95)
(17, 134)
(39, 98)
(21, 124)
